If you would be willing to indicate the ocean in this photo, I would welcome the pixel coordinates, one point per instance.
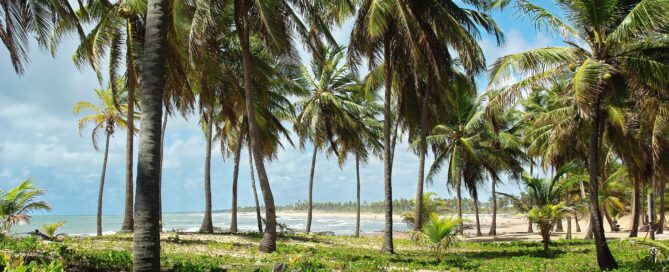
(85, 225)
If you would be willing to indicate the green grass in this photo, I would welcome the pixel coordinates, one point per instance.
(319, 253)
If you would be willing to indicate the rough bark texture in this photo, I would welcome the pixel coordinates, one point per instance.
(160, 174)
(255, 192)
(146, 241)
(268, 243)
(311, 190)
(235, 178)
(651, 213)
(636, 208)
(207, 224)
(357, 195)
(129, 182)
(604, 257)
(102, 182)
(387, 153)
(493, 195)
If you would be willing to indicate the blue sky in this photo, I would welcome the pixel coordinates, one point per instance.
(39, 140)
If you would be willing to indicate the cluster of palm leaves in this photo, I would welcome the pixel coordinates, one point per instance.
(598, 103)
(16, 205)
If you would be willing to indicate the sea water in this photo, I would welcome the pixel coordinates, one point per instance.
(85, 225)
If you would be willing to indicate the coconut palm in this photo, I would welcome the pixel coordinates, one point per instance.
(328, 114)
(106, 117)
(17, 203)
(20, 19)
(610, 51)
(146, 239)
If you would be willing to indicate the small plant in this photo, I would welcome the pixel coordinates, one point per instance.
(17, 204)
(545, 217)
(429, 207)
(439, 234)
(50, 229)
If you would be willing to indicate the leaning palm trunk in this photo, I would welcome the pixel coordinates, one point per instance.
(129, 190)
(578, 226)
(255, 192)
(636, 208)
(268, 243)
(357, 195)
(235, 177)
(207, 224)
(387, 153)
(604, 257)
(102, 182)
(418, 223)
(476, 213)
(311, 190)
(558, 226)
(146, 240)
(493, 221)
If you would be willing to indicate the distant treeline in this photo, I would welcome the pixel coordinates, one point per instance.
(399, 206)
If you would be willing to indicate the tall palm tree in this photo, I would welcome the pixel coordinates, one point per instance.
(17, 203)
(146, 240)
(207, 126)
(271, 19)
(19, 19)
(328, 114)
(611, 50)
(104, 117)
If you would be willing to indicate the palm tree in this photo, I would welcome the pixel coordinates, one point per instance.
(271, 19)
(328, 114)
(611, 51)
(207, 125)
(17, 203)
(439, 234)
(21, 19)
(546, 216)
(104, 117)
(146, 240)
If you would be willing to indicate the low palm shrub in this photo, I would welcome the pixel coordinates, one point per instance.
(545, 217)
(438, 234)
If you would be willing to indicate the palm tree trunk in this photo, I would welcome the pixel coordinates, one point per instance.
(102, 182)
(387, 162)
(160, 174)
(128, 223)
(476, 213)
(418, 222)
(458, 192)
(558, 226)
(660, 229)
(357, 196)
(146, 241)
(268, 243)
(604, 257)
(529, 227)
(311, 189)
(255, 192)
(235, 177)
(651, 212)
(578, 226)
(207, 224)
(609, 220)
(493, 221)
(568, 228)
(636, 208)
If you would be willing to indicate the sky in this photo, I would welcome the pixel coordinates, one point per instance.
(39, 140)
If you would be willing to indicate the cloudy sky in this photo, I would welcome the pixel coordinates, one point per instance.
(39, 140)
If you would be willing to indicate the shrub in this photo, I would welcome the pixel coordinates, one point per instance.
(439, 234)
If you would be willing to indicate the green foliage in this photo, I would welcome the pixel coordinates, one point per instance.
(17, 203)
(439, 234)
(430, 206)
(50, 229)
(545, 217)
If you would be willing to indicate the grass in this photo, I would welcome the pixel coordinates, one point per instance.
(223, 252)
